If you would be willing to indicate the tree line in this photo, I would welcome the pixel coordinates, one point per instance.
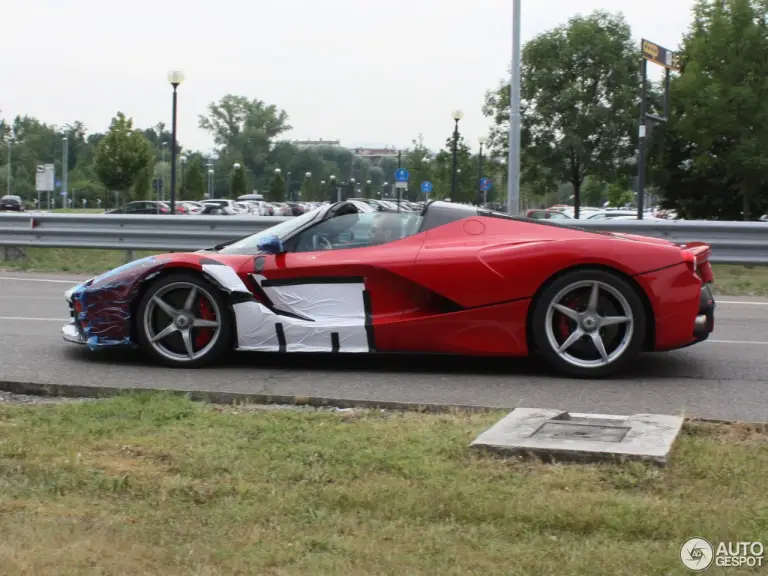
(581, 92)
(130, 163)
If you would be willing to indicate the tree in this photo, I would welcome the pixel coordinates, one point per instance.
(418, 160)
(308, 189)
(194, 182)
(368, 189)
(122, 156)
(143, 184)
(580, 97)
(466, 173)
(238, 182)
(276, 189)
(715, 154)
(245, 128)
(617, 195)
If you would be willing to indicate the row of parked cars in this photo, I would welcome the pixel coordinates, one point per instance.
(248, 205)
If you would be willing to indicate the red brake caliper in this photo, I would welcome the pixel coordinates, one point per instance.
(564, 325)
(204, 335)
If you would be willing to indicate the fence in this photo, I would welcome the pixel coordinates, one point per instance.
(732, 242)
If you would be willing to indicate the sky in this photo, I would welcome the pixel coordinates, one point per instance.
(363, 72)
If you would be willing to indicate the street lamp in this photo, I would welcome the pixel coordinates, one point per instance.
(210, 183)
(482, 140)
(10, 142)
(175, 77)
(64, 168)
(457, 115)
(236, 166)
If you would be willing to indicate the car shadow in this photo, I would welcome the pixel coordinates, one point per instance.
(647, 366)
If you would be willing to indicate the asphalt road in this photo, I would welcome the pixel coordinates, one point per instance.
(724, 378)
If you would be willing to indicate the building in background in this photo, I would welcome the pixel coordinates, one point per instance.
(302, 144)
(375, 155)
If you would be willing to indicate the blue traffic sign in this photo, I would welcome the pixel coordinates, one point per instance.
(426, 187)
(58, 183)
(485, 184)
(401, 175)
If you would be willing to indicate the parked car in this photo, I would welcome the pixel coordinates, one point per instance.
(146, 207)
(452, 279)
(547, 214)
(11, 203)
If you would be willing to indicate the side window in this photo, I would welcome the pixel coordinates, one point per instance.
(357, 231)
(557, 216)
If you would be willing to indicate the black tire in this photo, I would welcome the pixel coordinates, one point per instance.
(632, 347)
(224, 338)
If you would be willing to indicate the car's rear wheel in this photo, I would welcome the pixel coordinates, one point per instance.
(589, 323)
(184, 321)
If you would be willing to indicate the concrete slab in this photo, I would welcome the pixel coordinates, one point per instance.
(584, 437)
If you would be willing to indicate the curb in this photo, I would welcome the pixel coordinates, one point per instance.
(215, 397)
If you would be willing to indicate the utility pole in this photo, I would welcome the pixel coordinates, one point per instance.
(513, 195)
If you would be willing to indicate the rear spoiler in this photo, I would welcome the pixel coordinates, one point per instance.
(696, 255)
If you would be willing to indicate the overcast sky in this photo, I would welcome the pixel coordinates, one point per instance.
(363, 72)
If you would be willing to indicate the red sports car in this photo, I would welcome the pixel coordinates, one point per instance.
(451, 279)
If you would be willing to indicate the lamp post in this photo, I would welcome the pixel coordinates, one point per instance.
(10, 141)
(332, 181)
(183, 160)
(457, 115)
(482, 140)
(64, 169)
(175, 77)
(513, 175)
(210, 183)
(308, 176)
(236, 166)
(384, 189)
(288, 186)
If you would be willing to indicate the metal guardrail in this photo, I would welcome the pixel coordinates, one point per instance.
(732, 242)
(120, 232)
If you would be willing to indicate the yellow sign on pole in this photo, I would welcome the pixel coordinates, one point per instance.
(660, 55)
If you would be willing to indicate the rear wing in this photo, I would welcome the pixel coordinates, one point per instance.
(696, 255)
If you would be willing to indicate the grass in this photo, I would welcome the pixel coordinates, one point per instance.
(155, 484)
(729, 280)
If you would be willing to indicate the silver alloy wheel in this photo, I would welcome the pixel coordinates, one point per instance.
(182, 321)
(590, 324)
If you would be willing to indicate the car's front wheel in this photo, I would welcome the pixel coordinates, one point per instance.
(589, 323)
(184, 321)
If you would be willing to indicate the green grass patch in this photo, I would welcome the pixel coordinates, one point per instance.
(741, 280)
(75, 261)
(156, 484)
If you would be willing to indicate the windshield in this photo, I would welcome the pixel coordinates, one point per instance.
(250, 244)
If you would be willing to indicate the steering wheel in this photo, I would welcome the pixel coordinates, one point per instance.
(324, 244)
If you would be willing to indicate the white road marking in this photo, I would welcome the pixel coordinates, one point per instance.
(739, 342)
(42, 280)
(741, 303)
(27, 319)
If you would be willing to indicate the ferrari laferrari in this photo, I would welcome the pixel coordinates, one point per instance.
(451, 279)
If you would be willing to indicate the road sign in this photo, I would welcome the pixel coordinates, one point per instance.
(660, 55)
(485, 184)
(58, 183)
(401, 175)
(45, 178)
(403, 185)
(426, 187)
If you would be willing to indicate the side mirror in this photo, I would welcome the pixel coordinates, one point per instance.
(270, 245)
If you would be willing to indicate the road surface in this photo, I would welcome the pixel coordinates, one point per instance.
(724, 378)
